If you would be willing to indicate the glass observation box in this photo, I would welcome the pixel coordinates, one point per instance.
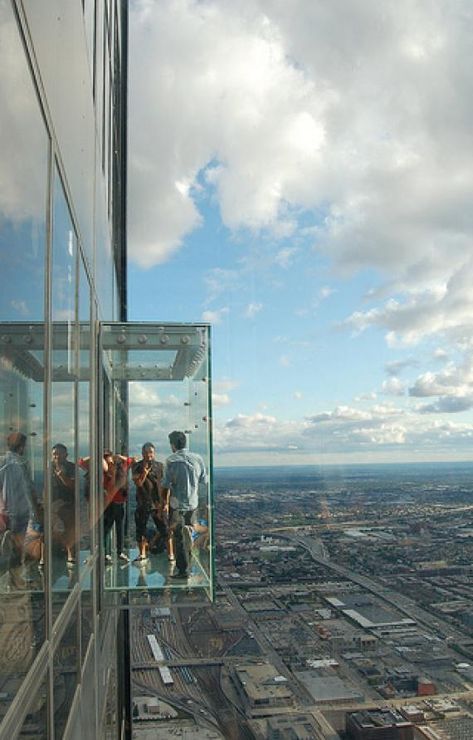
(70, 392)
(155, 379)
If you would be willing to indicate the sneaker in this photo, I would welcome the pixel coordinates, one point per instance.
(140, 559)
(108, 560)
(123, 556)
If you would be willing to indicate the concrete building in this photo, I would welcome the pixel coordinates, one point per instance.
(378, 724)
(261, 688)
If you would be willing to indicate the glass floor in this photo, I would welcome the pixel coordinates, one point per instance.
(154, 574)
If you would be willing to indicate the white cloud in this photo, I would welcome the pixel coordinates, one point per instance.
(252, 309)
(325, 292)
(221, 98)
(224, 385)
(448, 405)
(220, 399)
(385, 434)
(451, 381)
(219, 281)
(215, 317)
(445, 309)
(341, 434)
(258, 95)
(346, 413)
(244, 421)
(370, 396)
(20, 307)
(396, 367)
(284, 257)
(393, 387)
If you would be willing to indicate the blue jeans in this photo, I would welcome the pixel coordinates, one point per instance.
(178, 519)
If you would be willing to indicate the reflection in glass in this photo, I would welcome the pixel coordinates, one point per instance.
(83, 422)
(35, 724)
(87, 614)
(23, 198)
(64, 352)
(65, 675)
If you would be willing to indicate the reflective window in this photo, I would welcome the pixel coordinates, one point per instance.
(64, 338)
(99, 70)
(36, 721)
(65, 675)
(89, 24)
(87, 613)
(105, 267)
(23, 198)
(83, 422)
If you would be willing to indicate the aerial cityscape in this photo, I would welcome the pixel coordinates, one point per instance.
(342, 609)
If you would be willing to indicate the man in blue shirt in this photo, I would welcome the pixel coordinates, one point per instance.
(184, 471)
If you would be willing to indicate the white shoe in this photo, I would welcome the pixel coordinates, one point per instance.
(123, 556)
(108, 560)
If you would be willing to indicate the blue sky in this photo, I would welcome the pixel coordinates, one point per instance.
(305, 185)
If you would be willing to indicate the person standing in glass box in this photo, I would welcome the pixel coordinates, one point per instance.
(115, 485)
(184, 471)
(63, 475)
(147, 475)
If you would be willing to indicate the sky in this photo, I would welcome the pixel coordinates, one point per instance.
(301, 177)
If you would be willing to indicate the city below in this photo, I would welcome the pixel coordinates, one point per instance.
(343, 609)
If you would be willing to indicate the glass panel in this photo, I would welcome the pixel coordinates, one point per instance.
(99, 76)
(89, 23)
(105, 267)
(23, 200)
(87, 613)
(200, 442)
(65, 675)
(160, 372)
(83, 442)
(64, 356)
(106, 110)
(36, 721)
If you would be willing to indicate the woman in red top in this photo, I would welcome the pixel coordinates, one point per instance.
(115, 488)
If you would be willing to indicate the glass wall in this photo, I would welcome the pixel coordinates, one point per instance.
(63, 401)
(23, 239)
(55, 227)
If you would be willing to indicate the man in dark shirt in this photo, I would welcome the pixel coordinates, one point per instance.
(147, 475)
(63, 474)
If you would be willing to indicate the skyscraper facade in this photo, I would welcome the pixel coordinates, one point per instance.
(63, 255)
